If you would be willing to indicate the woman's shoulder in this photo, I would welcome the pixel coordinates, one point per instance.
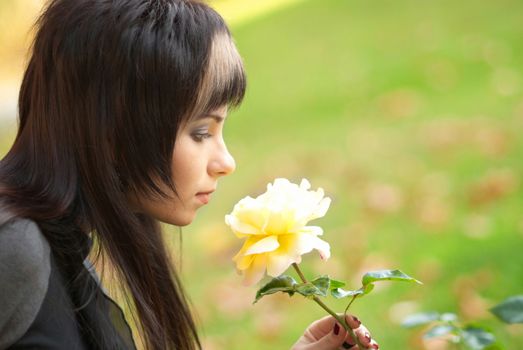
(23, 249)
(25, 267)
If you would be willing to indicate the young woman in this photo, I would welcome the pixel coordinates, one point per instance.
(121, 112)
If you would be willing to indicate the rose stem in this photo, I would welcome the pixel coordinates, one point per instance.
(348, 306)
(332, 313)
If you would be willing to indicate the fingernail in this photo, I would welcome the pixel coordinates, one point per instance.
(356, 320)
(348, 344)
(375, 346)
(336, 329)
(367, 337)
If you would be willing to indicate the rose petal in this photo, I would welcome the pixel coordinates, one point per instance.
(244, 247)
(305, 184)
(267, 244)
(307, 242)
(318, 195)
(244, 262)
(312, 230)
(240, 227)
(278, 263)
(255, 272)
(321, 209)
(323, 248)
(277, 223)
(281, 183)
(252, 216)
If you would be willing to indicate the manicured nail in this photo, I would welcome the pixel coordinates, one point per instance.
(350, 342)
(336, 329)
(375, 346)
(367, 337)
(356, 320)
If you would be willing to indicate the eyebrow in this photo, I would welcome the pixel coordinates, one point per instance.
(216, 117)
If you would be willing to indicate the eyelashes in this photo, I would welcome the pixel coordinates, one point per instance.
(200, 135)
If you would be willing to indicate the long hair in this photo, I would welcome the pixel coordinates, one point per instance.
(107, 86)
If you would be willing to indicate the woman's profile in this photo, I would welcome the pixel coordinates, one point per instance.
(121, 112)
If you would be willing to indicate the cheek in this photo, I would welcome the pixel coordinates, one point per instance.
(182, 174)
(188, 165)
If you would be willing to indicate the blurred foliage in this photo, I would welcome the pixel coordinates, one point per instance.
(409, 114)
(473, 336)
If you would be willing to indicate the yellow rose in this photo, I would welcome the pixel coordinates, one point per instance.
(274, 225)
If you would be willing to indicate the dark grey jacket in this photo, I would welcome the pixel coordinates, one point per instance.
(38, 309)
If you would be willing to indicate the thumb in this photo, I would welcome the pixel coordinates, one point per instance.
(331, 340)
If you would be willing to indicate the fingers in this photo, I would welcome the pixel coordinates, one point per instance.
(352, 321)
(363, 335)
(349, 346)
(326, 333)
(332, 340)
(321, 327)
(361, 332)
(374, 345)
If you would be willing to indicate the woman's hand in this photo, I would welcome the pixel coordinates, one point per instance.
(328, 334)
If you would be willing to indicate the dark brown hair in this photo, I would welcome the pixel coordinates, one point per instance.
(107, 86)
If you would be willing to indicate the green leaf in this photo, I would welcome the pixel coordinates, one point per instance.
(323, 284)
(367, 288)
(282, 283)
(336, 284)
(477, 338)
(439, 331)
(510, 310)
(339, 293)
(386, 275)
(367, 282)
(308, 289)
(494, 346)
(419, 319)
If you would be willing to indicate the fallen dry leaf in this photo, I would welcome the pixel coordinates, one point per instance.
(231, 299)
(477, 226)
(400, 103)
(383, 198)
(494, 185)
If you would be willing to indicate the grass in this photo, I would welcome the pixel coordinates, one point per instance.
(409, 115)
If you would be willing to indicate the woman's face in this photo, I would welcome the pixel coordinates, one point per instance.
(200, 158)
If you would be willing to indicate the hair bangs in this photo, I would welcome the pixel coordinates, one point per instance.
(224, 80)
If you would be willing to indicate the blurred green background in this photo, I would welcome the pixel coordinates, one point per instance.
(408, 113)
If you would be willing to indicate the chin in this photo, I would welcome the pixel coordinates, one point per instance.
(172, 216)
(180, 220)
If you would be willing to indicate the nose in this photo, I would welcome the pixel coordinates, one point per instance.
(223, 163)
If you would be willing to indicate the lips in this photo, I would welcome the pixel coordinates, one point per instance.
(204, 197)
